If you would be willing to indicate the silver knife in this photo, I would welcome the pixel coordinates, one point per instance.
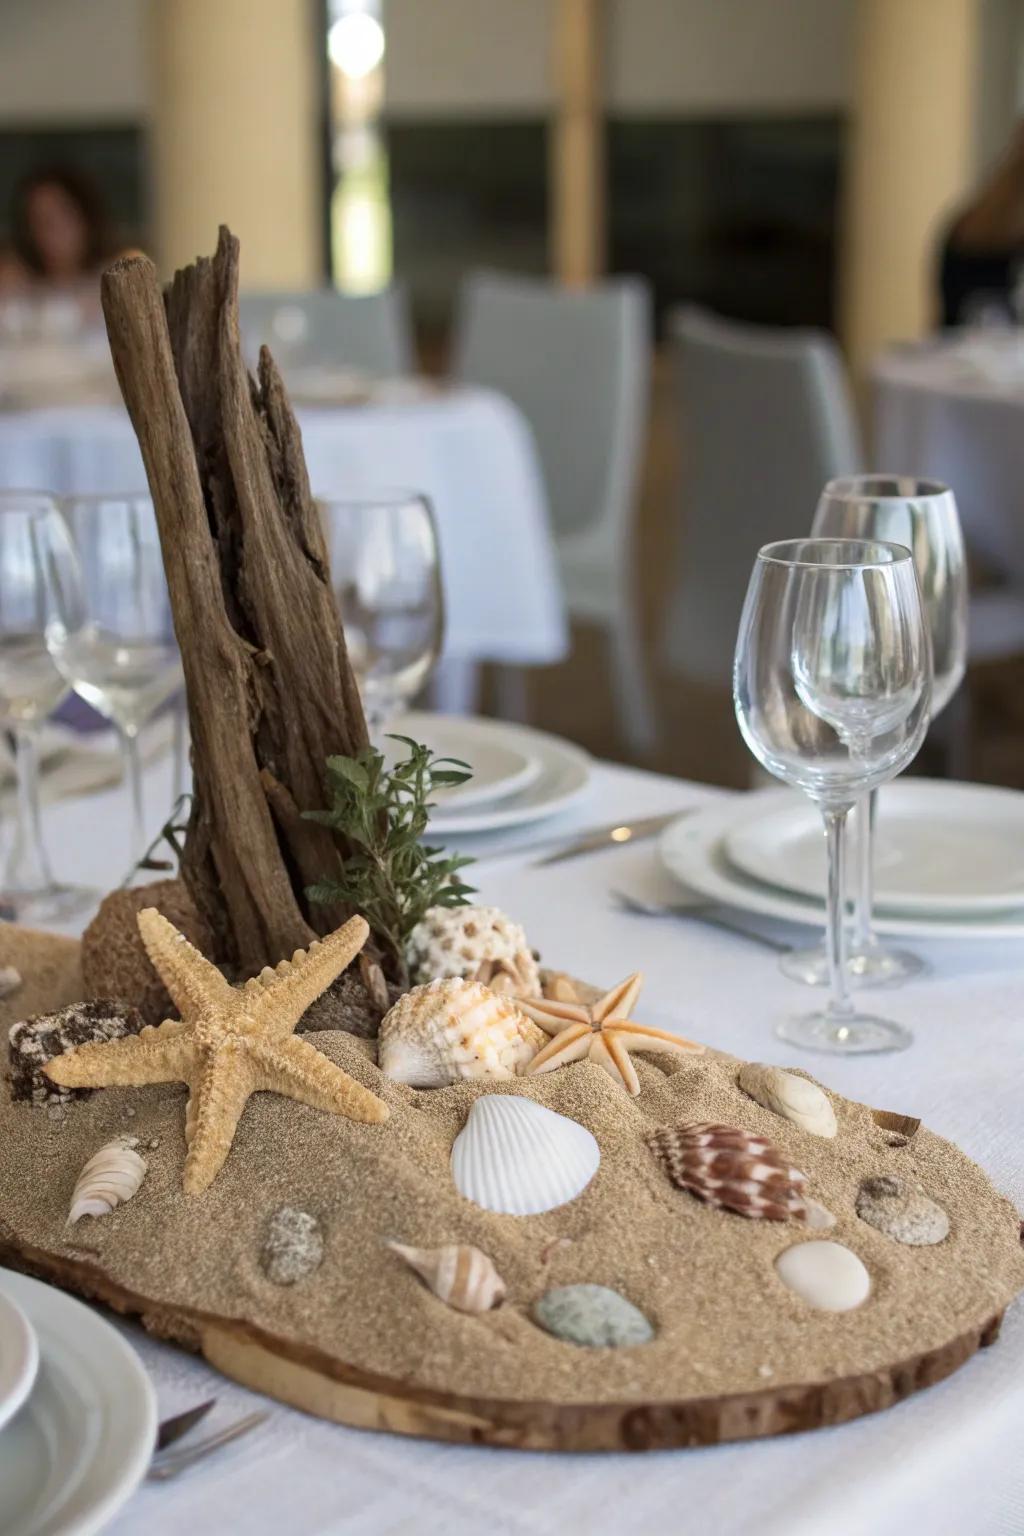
(607, 837)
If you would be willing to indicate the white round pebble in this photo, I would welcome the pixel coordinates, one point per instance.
(825, 1275)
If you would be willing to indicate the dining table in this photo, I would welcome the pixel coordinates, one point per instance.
(469, 450)
(947, 1461)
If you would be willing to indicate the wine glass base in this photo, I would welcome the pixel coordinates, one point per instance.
(859, 1034)
(873, 965)
(52, 903)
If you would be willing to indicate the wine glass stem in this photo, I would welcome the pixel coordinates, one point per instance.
(28, 867)
(133, 777)
(867, 811)
(835, 933)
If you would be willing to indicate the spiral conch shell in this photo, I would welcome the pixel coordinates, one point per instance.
(452, 1029)
(460, 1275)
(110, 1177)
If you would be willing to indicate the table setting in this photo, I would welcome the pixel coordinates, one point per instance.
(504, 1138)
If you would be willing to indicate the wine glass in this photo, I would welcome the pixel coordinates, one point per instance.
(387, 581)
(113, 639)
(30, 689)
(832, 682)
(922, 515)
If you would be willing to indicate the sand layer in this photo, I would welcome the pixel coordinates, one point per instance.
(706, 1280)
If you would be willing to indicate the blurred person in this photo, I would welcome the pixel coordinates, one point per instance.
(982, 256)
(60, 236)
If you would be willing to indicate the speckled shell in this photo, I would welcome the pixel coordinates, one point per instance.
(452, 1029)
(458, 1274)
(110, 1177)
(518, 1158)
(456, 941)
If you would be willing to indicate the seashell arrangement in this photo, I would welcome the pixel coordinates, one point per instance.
(904, 1213)
(476, 942)
(110, 1177)
(517, 1158)
(451, 1029)
(458, 1274)
(825, 1275)
(592, 1316)
(293, 1247)
(10, 980)
(786, 1094)
(731, 1169)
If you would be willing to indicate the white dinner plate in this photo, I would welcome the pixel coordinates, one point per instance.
(941, 848)
(82, 1442)
(19, 1358)
(693, 850)
(500, 766)
(562, 773)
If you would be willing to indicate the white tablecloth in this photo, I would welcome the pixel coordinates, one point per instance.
(470, 450)
(945, 1463)
(955, 412)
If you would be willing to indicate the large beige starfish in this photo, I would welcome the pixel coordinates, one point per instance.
(229, 1043)
(602, 1031)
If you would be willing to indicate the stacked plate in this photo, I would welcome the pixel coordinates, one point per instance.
(949, 858)
(77, 1414)
(519, 775)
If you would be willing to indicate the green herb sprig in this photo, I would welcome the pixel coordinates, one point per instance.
(389, 874)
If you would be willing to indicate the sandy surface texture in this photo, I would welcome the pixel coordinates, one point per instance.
(705, 1278)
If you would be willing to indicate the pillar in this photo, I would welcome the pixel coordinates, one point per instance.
(236, 135)
(577, 203)
(910, 159)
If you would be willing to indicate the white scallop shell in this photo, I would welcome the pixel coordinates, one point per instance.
(110, 1177)
(793, 1097)
(452, 1029)
(454, 941)
(515, 1157)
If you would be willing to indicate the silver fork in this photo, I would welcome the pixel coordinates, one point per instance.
(169, 1465)
(696, 913)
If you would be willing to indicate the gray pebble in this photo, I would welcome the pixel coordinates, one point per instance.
(293, 1247)
(893, 1206)
(591, 1315)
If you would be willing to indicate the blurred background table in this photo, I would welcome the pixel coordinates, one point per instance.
(469, 450)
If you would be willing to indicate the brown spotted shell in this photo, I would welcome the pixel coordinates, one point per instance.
(480, 943)
(732, 1169)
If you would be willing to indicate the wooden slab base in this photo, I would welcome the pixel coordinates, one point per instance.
(305, 1378)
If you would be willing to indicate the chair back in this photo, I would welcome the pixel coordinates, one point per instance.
(764, 418)
(368, 332)
(576, 363)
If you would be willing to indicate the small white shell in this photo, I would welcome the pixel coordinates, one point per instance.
(825, 1275)
(793, 1097)
(110, 1177)
(515, 1157)
(455, 941)
(10, 980)
(460, 1275)
(452, 1029)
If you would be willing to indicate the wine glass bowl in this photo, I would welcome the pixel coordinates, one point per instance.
(112, 636)
(386, 576)
(32, 537)
(832, 683)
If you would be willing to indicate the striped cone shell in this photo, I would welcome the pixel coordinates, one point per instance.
(731, 1169)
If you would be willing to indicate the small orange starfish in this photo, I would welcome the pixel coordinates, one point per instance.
(603, 1032)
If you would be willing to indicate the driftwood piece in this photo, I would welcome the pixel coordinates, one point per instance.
(270, 691)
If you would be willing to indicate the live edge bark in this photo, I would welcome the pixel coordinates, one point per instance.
(270, 690)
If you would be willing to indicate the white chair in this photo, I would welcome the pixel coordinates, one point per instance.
(577, 365)
(765, 419)
(369, 333)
